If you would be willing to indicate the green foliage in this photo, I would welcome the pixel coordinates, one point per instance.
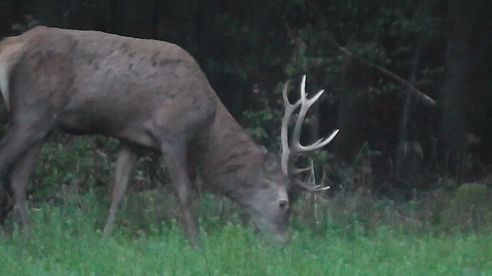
(466, 208)
(68, 161)
(261, 125)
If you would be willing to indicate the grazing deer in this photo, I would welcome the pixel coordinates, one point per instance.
(149, 94)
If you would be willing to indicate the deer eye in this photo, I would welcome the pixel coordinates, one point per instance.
(283, 204)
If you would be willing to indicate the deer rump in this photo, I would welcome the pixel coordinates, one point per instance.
(145, 93)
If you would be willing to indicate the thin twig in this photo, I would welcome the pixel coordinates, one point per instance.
(392, 76)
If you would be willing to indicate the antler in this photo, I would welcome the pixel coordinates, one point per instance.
(312, 186)
(294, 149)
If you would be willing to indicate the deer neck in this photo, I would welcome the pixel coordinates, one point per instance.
(229, 156)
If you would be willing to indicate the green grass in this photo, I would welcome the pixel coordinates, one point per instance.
(66, 240)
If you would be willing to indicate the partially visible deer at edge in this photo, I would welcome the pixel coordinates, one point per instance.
(145, 93)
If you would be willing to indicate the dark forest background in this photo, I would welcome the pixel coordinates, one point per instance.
(379, 61)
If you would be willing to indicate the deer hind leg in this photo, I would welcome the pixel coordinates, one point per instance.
(175, 157)
(16, 142)
(19, 180)
(125, 163)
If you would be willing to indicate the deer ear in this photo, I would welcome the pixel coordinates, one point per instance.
(272, 162)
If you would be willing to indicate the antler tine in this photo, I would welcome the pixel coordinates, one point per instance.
(296, 171)
(312, 187)
(289, 110)
(302, 170)
(303, 87)
(320, 143)
(285, 90)
(296, 135)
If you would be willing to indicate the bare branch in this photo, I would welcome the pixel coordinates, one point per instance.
(392, 76)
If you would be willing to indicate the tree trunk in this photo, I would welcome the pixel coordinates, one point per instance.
(458, 66)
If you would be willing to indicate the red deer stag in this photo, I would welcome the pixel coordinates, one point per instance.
(145, 93)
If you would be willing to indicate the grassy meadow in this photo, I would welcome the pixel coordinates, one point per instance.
(66, 240)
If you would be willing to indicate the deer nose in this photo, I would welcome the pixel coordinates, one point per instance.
(283, 204)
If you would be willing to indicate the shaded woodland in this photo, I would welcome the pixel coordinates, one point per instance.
(408, 83)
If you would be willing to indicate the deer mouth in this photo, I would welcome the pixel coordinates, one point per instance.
(277, 233)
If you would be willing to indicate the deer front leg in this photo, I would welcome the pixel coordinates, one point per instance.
(125, 163)
(19, 180)
(176, 162)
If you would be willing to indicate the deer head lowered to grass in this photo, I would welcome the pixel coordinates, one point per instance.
(145, 93)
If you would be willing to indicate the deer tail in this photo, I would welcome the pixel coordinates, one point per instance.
(10, 54)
